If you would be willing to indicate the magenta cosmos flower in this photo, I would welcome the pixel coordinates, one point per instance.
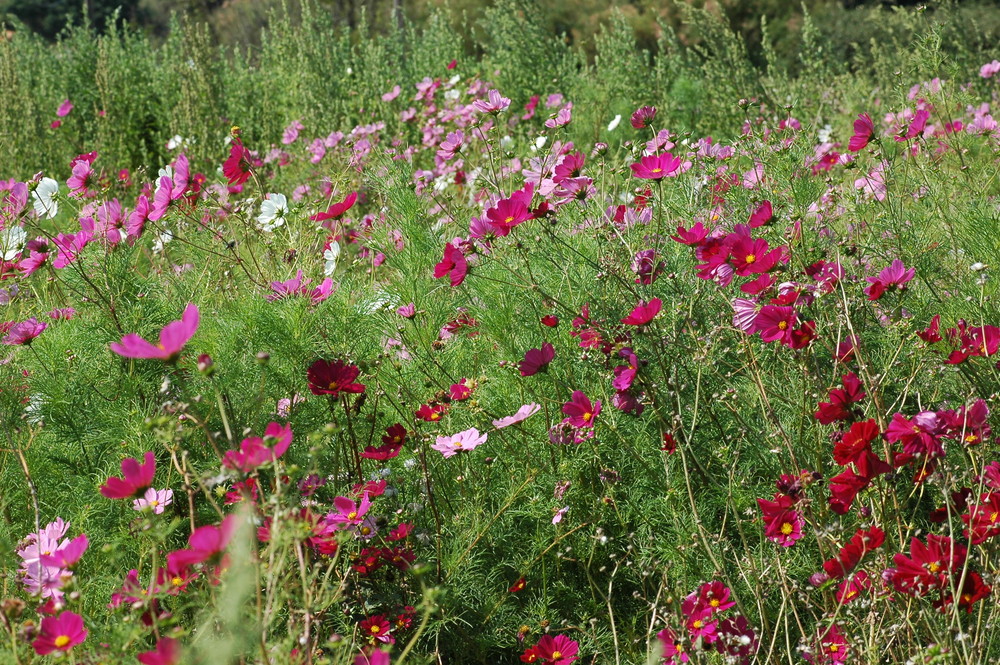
(336, 210)
(537, 360)
(864, 131)
(454, 265)
(449, 446)
(236, 168)
(167, 652)
(173, 337)
(494, 103)
(643, 313)
(332, 377)
(895, 275)
(579, 411)
(137, 478)
(349, 514)
(25, 332)
(643, 116)
(654, 167)
(60, 633)
(522, 414)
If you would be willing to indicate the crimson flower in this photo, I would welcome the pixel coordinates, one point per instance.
(844, 487)
(782, 524)
(236, 168)
(929, 566)
(762, 215)
(337, 210)
(643, 313)
(518, 585)
(983, 519)
(841, 399)
(376, 629)
(453, 264)
(137, 479)
(328, 377)
(775, 322)
(851, 554)
(895, 275)
(206, 543)
(558, 650)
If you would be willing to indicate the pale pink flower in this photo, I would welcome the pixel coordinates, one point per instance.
(155, 500)
(522, 414)
(449, 446)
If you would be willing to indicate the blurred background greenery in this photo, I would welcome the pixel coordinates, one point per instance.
(846, 23)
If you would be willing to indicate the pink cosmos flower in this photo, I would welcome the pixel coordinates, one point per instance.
(25, 332)
(864, 132)
(155, 500)
(392, 94)
(460, 391)
(67, 555)
(643, 313)
(522, 414)
(558, 517)
(494, 103)
(349, 513)
(137, 478)
(83, 180)
(562, 118)
(579, 411)
(255, 451)
(916, 126)
(896, 275)
(449, 446)
(60, 633)
(782, 524)
(762, 215)
(673, 647)
(407, 311)
(655, 167)
(64, 108)
(989, 69)
(537, 360)
(173, 337)
(291, 133)
(167, 652)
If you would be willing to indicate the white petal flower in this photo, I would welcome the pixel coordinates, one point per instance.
(330, 257)
(12, 242)
(44, 198)
(272, 212)
(614, 123)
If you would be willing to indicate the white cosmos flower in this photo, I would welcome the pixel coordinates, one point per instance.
(540, 142)
(161, 240)
(824, 133)
(452, 94)
(330, 257)
(506, 143)
(45, 203)
(12, 242)
(614, 123)
(272, 212)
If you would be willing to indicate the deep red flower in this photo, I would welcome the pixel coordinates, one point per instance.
(550, 321)
(431, 412)
(518, 585)
(841, 399)
(982, 521)
(762, 215)
(844, 487)
(851, 554)
(537, 360)
(782, 524)
(328, 377)
(929, 566)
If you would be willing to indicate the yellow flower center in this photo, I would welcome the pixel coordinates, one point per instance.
(751, 258)
(971, 438)
(587, 416)
(714, 602)
(698, 623)
(656, 170)
(834, 648)
(154, 503)
(176, 581)
(509, 220)
(993, 517)
(782, 325)
(376, 630)
(556, 655)
(787, 528)
(933, 566)
(61, 641)
(351, 515)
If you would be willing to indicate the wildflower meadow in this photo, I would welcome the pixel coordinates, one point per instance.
(363, 348)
